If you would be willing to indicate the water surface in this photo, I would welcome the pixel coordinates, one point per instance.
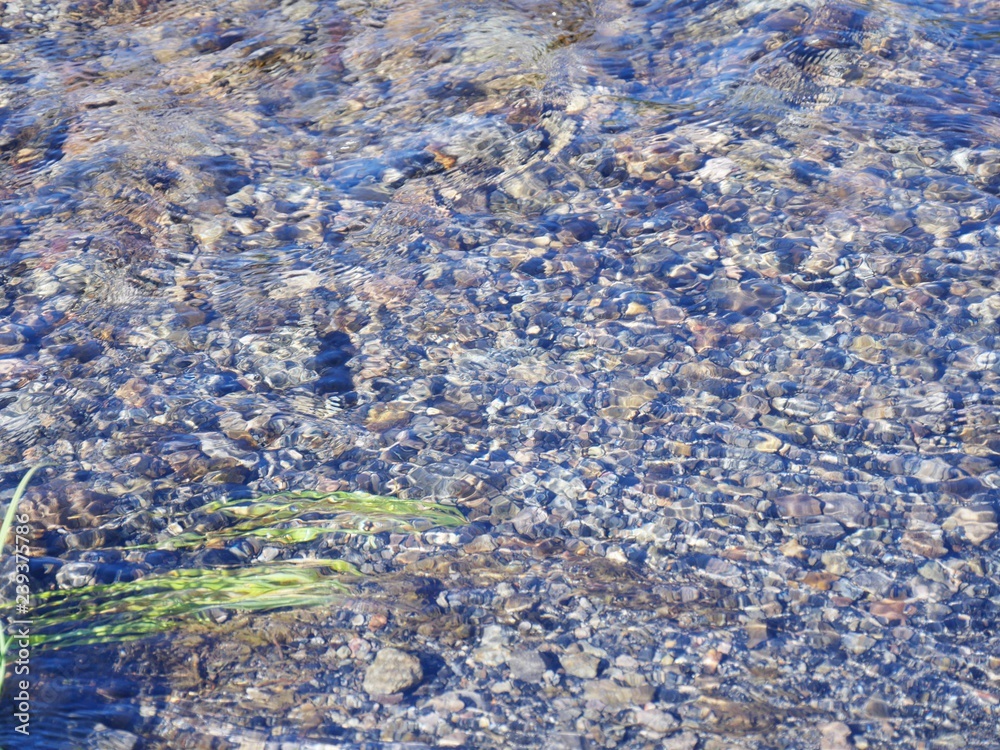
(690, 306)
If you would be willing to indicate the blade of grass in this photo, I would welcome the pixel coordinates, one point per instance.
(8, 519)
(295, 517)
(127, 610)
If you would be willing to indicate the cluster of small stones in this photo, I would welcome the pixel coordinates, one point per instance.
(706, 299)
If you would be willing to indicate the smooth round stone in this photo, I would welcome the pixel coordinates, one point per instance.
(393, 671)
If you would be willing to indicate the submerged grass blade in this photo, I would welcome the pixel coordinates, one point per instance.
(8, 519)
(295, 517)
(128, 610)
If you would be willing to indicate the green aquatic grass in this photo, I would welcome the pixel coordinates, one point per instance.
(128, 610)
(123, 611)
(297, 517)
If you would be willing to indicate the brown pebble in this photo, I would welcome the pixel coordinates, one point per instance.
(890, 609)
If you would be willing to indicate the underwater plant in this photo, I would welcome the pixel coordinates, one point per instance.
(127, 610)
(303, 516)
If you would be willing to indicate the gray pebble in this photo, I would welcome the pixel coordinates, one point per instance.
(393, 671)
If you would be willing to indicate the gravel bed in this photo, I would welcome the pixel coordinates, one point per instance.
(691, 307)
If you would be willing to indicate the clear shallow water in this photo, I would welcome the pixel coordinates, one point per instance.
(707, 290)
